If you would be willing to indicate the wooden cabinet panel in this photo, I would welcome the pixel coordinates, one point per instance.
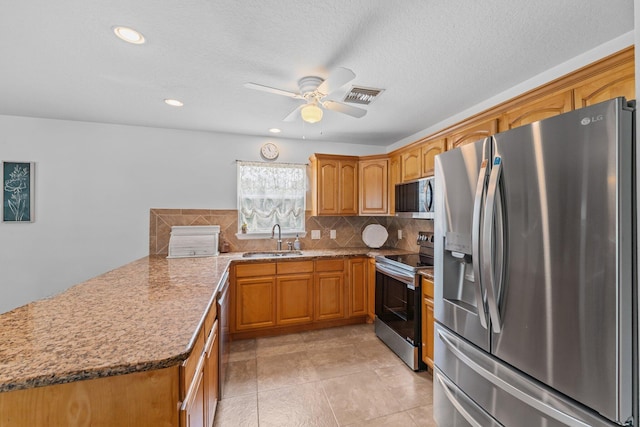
(427, 322)
(192, 413)
(334, 187)
(542, 108)
(294, 267)
(255, 302)
(189, 366)
(256, 269)
(619, 81)
(428, 152)
(411, 164)
(294, 299)
(329, 295)
(374, 190)
(395, 177)
(472, 133)
(348, 187)
(357, 274)
(211, 390)
(330, 265)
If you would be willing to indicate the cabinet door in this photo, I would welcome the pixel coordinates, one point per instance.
(192, 413)
(529, 112)
(294, 299)
(357, 287)
(618, 81)
(328, 185)
(427, 331)
(329, 295)
(374, 187)
(428, 152)
(395, 177)
(255, 302)
(211, 389)
(411, 167)
(472, 133)
(348, 187)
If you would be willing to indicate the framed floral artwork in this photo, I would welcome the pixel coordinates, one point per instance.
(18, 182)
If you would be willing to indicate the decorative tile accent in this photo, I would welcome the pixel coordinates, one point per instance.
(348, 230)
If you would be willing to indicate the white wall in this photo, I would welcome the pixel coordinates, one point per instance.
(95, 184)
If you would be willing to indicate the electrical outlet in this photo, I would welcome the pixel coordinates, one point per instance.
(315, 234)
(399, 234)
(332, 234)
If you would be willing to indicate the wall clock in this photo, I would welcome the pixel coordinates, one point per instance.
(269, 151)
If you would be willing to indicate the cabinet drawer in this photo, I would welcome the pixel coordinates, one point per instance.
(329, 265)
(295, 267)
(427, 287)
(256, 269)
(188, 367)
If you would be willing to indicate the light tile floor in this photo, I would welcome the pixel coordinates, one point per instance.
(340, 376)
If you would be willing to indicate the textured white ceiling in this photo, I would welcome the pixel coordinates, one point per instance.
(60, 59)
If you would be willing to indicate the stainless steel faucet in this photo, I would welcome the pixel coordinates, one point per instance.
(273, 232)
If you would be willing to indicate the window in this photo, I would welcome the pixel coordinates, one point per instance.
(271, 193)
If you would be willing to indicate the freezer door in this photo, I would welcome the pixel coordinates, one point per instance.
(503, 396)
(460, 177)
(561, 271)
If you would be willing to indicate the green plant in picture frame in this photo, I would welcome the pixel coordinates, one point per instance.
(18, 181)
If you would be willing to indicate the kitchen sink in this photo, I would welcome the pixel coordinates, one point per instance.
(271, 254)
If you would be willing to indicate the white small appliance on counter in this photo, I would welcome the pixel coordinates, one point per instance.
(193, 241)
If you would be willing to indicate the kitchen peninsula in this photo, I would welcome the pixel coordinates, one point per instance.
(117, 345)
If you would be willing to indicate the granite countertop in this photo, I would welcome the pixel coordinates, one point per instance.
(141, 316)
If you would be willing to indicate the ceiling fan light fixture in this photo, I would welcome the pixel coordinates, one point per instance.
(311, 113)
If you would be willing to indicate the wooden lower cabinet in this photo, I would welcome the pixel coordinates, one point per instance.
(427, 322)
(211, 378)
(192, 412)
(329, 293)
(255, 302)
(357, 273)
(294, 295)
(371, 290)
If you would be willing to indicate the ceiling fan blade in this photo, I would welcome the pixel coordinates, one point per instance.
(294, 114)
(338, 78)
(344, 108)
(273, 90)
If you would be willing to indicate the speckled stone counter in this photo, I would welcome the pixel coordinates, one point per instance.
(141, 316)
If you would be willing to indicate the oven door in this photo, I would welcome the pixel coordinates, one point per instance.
(397, 302)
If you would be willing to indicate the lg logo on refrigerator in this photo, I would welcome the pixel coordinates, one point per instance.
(588, 120)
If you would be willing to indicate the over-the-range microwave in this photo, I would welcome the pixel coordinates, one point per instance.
(414, 199)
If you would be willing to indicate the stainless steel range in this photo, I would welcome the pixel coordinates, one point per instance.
(398, 303)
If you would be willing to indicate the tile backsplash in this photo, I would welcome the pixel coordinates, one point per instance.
(348, 230)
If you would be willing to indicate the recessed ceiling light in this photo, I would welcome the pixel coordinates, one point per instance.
(129, 35)
(275, 130)
(173, 102)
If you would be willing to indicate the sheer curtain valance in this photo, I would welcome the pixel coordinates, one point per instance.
(271, 193)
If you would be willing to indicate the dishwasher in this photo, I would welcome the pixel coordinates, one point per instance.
(223, 313)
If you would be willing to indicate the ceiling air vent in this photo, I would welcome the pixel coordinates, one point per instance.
(362, 95)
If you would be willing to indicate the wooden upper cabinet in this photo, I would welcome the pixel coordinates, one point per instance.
(334, 185)
(395, 177)
(539, 109)
(411, 164)
(472, 133)
(618, 81)
(428, 152)
(374, 187)
(348, 187)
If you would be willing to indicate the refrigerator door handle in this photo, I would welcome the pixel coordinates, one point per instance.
(446, 388)
(475, 247)
(488, 265)
(512, 389)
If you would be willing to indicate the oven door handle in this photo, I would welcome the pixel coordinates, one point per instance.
(394, 274)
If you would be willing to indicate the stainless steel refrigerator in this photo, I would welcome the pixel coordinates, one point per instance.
(534, 275)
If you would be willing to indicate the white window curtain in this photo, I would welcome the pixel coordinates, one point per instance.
(271, 193)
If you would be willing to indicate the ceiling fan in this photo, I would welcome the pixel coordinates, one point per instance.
(314, 90)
